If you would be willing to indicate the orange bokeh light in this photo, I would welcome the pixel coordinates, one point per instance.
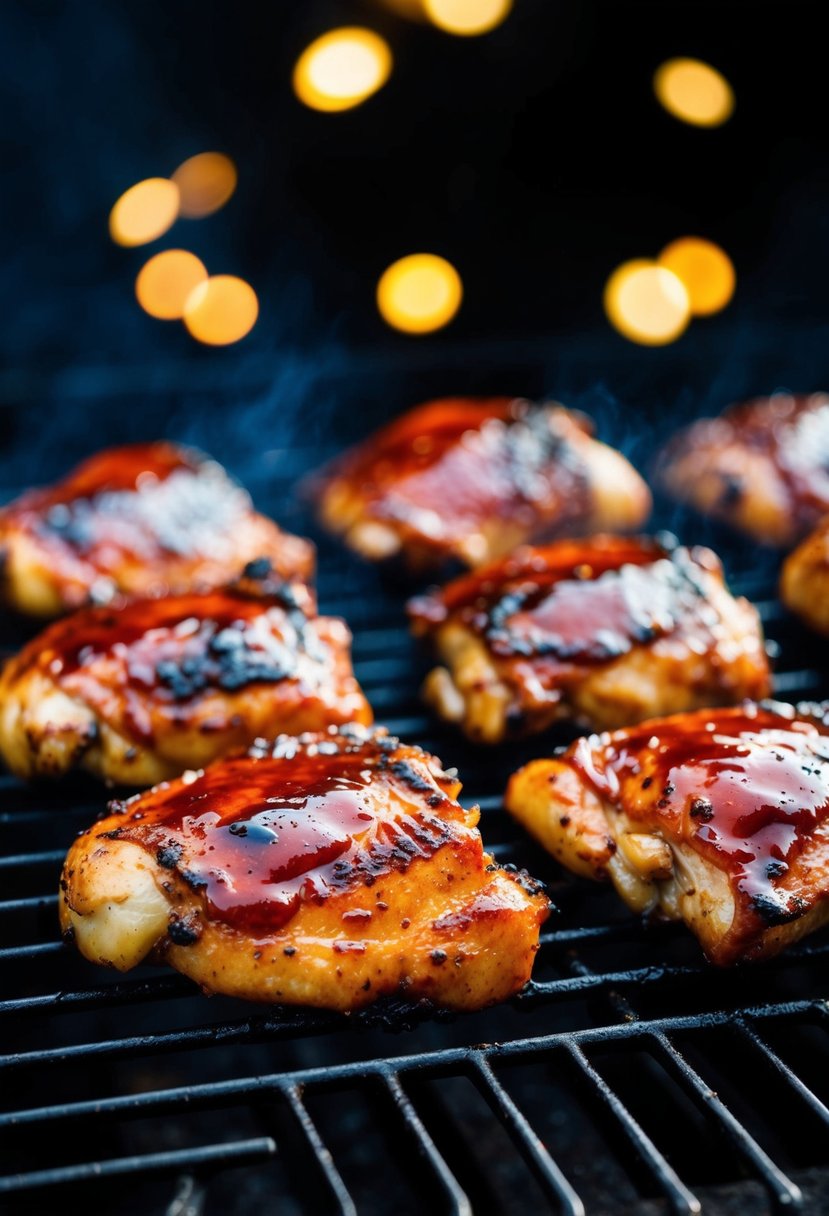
(419, 293)
(694, 92)
(221, 310)
(165, 282)
(144, 212)
(706, 271)
(205, 183)
(467, 18)
(342, 68)
(647, 303)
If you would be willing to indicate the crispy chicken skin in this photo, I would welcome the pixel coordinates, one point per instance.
(804, 582)
(470, 479)
(762, 466)
(149, 519)
(139, 694)
(606, 631)
(326, 870)
(718, 818)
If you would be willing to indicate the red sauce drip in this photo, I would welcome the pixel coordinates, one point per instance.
(582, 602)
(258, 837)
(747, 787)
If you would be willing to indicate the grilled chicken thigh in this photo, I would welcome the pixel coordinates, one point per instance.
(606, 631)
(149, 519)
(804, 583)
(762, 466)
(471, 479)
(719, 818)
(140, 694)
(326, 870)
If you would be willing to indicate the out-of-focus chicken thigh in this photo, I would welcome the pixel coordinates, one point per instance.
(804, 582)
(149, 519)
(327, 870)
(470, 479)
(762, 466)
(142, 693)
(719, 818)
(606, 631)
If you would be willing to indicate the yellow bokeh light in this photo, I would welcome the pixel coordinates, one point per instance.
(467, 17)
(706, 271)
(205, 183)
(694, 92)
(221, 310)
(165, 282)
(647, 303)
(342, 69)
(419, 293)
(144, 212)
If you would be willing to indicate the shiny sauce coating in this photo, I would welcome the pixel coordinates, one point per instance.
(577, 602)
(790, 432)
(166, 652)
(137, 500)
(258, 836)
(746, 788)
(451, 464)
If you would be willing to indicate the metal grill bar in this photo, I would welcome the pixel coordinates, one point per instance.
(335, 1185)
(208, 1156)
(784, 1192)
(679, 1197)
(458, 1202)
(438, 1062)
(533, 1151)
(814, 1103)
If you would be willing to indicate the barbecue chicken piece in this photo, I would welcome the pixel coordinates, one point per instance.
(804, 583)
(140, 694)
(717, 818)
(326, 870)
(606, 631)
(762, 466)
(471, 479)
(149, 519)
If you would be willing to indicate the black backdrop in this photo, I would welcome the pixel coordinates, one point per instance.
(535, 158)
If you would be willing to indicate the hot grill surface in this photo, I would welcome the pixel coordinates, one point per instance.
(628, 1077)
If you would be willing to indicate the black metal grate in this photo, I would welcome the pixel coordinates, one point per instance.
(629, 1076)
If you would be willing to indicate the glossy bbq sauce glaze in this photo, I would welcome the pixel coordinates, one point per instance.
(457, 461)
(745, 787)
(258, 835)
(139, 500)
(586, 601)
(170, 650)
(791, 432)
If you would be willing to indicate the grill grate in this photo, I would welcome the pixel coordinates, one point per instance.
(627, 1076)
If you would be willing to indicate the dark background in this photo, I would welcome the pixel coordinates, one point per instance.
(535, 158)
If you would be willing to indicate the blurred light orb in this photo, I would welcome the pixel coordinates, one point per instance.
(694, 92)
(221, 310)
(706, 271)
(419, 293)
(205, 183)
(165, 282)
(342, 68)
(647, 303)
(144, 212)
(467, 17)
